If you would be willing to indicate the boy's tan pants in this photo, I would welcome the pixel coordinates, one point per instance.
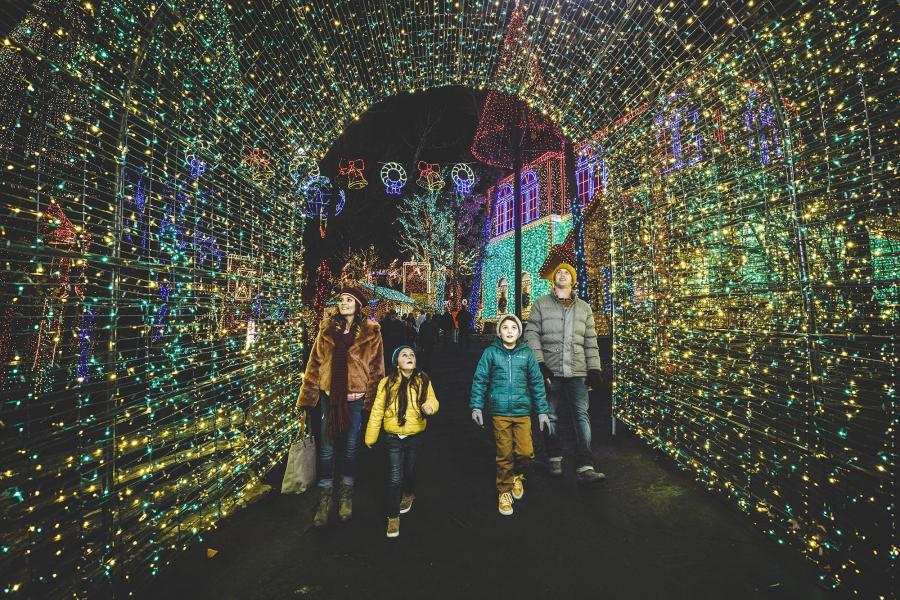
(514, 449)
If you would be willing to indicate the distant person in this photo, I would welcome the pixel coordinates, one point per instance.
(419, 320)
(425, 341)
(404, 401)
(464, 320)
(392, 333)
(509, 381)
(455, 326)
(446, 326)
(342, 374)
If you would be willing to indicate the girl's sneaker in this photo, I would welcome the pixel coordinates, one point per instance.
(518, 487)
(393, 528)
(406, 503)
(506, 503)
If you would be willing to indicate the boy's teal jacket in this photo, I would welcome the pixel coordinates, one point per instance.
(511, 379)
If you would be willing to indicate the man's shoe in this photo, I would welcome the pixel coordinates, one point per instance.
(589, 475)
(556, 466)
(406, 503)
(324, 507)
(345, 509)
(505, 504)
(518, 489)
(393, 528)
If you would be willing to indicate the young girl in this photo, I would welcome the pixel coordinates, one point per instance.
(403, 401)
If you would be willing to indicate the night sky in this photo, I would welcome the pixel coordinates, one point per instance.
(436, 126)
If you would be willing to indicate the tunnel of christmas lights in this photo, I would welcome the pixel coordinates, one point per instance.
(741, 242)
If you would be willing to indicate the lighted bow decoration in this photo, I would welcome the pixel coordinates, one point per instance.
(430, 176)
(463, 178)
(258, 162)
(353, 171)
(393, 176)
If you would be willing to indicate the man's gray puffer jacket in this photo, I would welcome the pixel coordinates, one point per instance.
(564, 340)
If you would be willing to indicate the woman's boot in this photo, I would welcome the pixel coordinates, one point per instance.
(345, 495)
(324, 508)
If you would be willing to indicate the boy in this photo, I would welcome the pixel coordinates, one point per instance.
(509, 376)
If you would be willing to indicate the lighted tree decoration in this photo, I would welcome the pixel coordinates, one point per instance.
(429, 228)
(393, 176)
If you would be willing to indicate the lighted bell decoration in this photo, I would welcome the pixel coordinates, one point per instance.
(430, 176)
(353, 171)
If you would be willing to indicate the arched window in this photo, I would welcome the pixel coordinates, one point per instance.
(504, 214)
(502, 296)
(530, 194)
(526, 290)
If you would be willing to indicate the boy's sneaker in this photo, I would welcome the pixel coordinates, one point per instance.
(556, 466)
(393, 528)
(506, 502)
(518, 489)
(406, 503)
(588, 475)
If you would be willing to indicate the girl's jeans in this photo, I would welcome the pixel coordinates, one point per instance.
(348, 440)
(402, 469)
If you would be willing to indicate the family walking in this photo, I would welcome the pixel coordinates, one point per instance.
(541, 369)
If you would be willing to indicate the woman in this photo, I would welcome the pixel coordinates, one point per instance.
(342, 375)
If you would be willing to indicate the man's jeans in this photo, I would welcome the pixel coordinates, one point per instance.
(569, 403)
(349, 439)
(401, 470)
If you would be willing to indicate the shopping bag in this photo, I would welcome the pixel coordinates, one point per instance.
(301, 464)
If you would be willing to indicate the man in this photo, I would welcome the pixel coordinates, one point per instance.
(464, 320)
(561, 333)
(425, 341)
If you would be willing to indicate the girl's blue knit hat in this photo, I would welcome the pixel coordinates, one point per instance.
(396, 354)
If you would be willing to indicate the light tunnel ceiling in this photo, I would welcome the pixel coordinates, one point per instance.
(315, 67)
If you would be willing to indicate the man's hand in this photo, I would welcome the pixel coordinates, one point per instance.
(476, 416)
(546, 372)
(595, 379)
(427, 410)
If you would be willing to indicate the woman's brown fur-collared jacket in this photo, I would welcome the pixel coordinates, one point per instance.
(365, 363)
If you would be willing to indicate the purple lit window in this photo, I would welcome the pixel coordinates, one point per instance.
(504, 216)
(764, 141)
(677, 131)
(530, 194)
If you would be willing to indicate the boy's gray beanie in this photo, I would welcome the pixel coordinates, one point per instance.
(514, 318)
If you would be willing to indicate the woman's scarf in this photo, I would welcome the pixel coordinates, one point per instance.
(339, 413)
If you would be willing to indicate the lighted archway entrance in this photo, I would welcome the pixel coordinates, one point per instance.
(150, 322)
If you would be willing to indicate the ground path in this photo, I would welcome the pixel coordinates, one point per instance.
(648, 532)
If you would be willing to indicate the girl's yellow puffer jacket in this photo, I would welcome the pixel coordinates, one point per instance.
(384, 411)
